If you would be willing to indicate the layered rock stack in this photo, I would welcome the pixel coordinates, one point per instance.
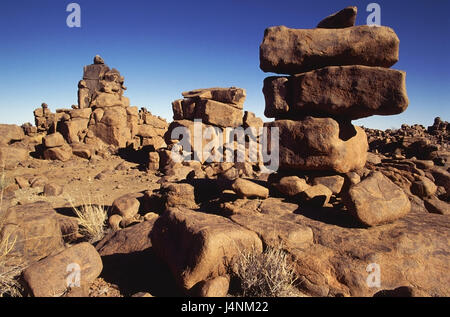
(215, 109)
(337, 73)
(103, 117)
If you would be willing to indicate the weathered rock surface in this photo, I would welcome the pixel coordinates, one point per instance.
(377, 200)
(133, 239)
(348, 92)
(233, 95)
(35, 229)
(248, 189)
(342, 19)
(10, 133)
(198, 246)
(10, 156)
(295, 51)
(49, 277)
(54, 140)
(320, 144)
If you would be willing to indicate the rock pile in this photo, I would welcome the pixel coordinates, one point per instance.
(338, 73)
(215, 109)
(103, 118)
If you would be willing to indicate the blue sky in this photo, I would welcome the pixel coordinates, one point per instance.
(166, 47)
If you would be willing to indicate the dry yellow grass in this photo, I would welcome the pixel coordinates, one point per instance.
(266, 274)
(92, 220)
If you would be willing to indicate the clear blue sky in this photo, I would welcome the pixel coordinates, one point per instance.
(166, 47)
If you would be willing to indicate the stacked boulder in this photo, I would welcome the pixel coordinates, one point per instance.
(103, 117)
(338, 72)
(215, 109)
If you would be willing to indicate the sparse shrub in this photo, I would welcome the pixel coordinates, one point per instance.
(265, 274)
(92, 221)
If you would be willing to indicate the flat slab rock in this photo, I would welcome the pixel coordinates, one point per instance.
(348, 92)
(412, 251)
(320, 144)
(197, 246)
(295, 51)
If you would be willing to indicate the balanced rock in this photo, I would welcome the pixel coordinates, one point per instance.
(339, 20)
(295, 51)
(233, 95)
(320, 144)
(377, 200)
(198, 246)
(350, 92)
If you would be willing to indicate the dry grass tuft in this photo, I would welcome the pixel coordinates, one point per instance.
(92, 220)
(265, 274)
(9, 273)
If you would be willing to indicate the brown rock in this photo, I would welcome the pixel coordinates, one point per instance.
(53, 190)
(291, 185)
(179, 195)
(51, 276)
(215, 287)
(339, 20)
(348, 92)
(198, 246)
(22, 182)
(233, 95)
(62, 154)
(436, 206)
(82, 150)
(11, 156)
(218, 114)
(320, 144)
(318, 195)
(128, 205)
(53, 140)
(72, 129)
(10, 133)
(248, 189)
(377, 200)
(129, 240)
(292, 51)
(251, 120)
(423, 187)
(36, 230)
(274, 231)
(334, 183)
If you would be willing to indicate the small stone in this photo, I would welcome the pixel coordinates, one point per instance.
(318, 195)
(114, 222)
(334, 183)
(423, 187)
(291, 186)
(248, 189)
(53, 190)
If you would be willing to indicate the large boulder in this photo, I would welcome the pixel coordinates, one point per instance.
(10, 156)
(295, 51)
(35, 230)
(78, 266)
(219, 114)
(349, 92)
(54, 140)
(10, 133)
(377, 200)
(198, 246)
(320, 144)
